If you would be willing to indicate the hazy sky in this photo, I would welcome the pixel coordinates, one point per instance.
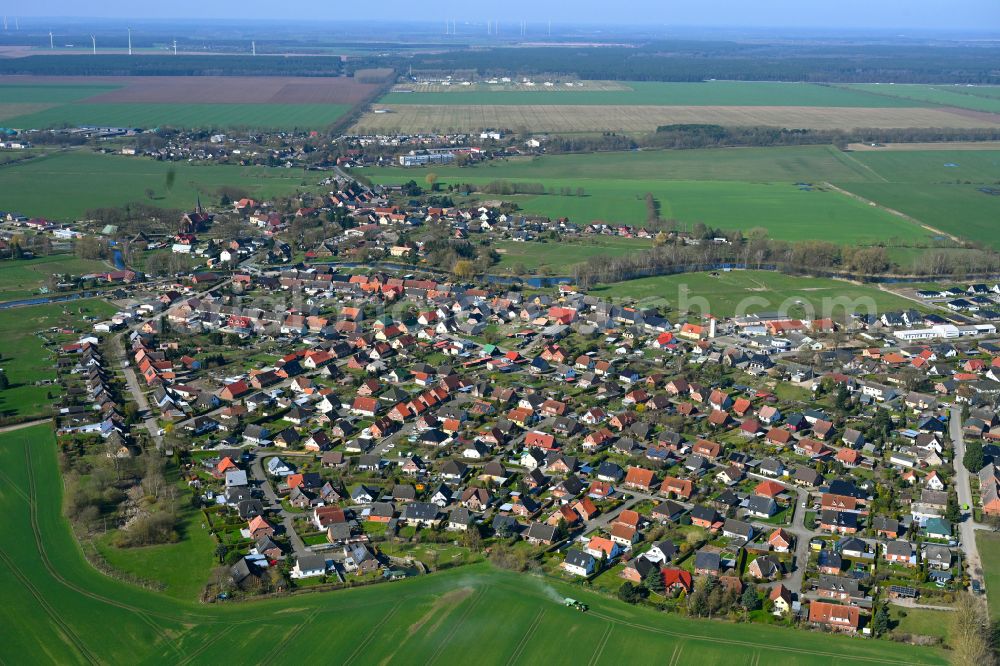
(981, 15)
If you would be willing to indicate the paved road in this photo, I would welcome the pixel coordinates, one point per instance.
(967, 528)
(287, 520)
(793, 581)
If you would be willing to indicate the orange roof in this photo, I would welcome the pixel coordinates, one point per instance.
(769, 488)
(639, 476)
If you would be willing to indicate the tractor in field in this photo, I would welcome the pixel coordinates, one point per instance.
(573, 603)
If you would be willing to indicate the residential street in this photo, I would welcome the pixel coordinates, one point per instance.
(287, 519)
(968, 526)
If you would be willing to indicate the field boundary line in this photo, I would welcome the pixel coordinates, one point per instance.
(844, 156)
(526, 638)
(750, 644)
(893, 211)
(458, 625)
(371, 633)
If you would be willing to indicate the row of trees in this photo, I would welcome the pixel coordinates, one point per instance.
(755, 249)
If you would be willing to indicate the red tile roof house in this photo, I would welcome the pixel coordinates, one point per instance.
(365, 406)
(639, 478)
(678, 488)
(780, 541)
(835, 616)
(677, 578)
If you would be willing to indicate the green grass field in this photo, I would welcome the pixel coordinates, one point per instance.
(559, 257)
(745, 292)
(966, 97)
(939, 188)
(183, 567)
(26, 361)
(22, 279)
(989, 553)
(86, 180)
(758, 165)
(921, 622)
(257, 116)
(642, 93)
(730, 189)
(57, 609)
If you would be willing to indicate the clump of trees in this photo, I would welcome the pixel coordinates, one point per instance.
(971, 634)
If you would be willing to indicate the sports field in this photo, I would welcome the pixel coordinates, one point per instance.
(726, 294)
(57, 609)
(195, 102)
(738, 188)
(976, 98)
(63, 186)
(655, 93)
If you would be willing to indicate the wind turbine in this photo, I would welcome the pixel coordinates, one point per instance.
(5, 23)
(130, 41)
(93, 41)
(51, 43)
(253, 47)
(175, 47)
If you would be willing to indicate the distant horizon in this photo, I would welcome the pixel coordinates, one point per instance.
(882, 16)
(29, 23)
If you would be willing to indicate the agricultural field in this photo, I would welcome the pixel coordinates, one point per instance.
(725, 294)
(638, 107)
(222, 116)
(194, 102)
(738, 188)
(568, 118)
(58, 609)
(647, 93)
(989, 551)
(91, 180)
(944, 189)
(26, 361)
(23, 279)
(975, 98)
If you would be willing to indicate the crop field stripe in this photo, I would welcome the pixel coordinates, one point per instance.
(372, 633)
(219, 635)
(68, 633)
(292, 634)
(457, 625)
(526, 638)
(599, 650)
